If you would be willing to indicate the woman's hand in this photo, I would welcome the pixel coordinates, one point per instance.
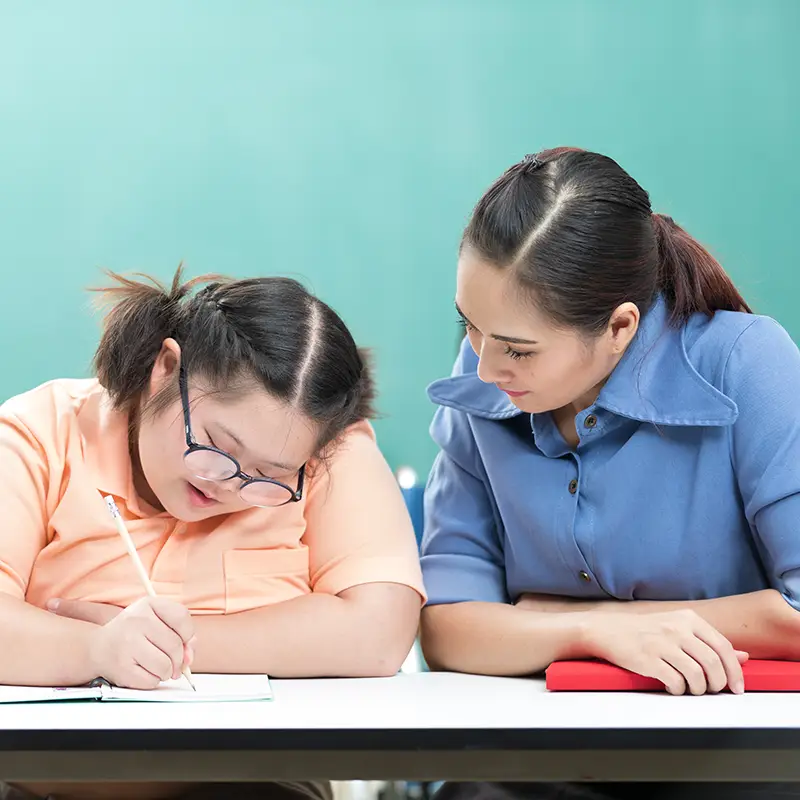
(678, 648)
(149, 642)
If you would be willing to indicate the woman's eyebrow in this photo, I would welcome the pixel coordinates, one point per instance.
(497, 336)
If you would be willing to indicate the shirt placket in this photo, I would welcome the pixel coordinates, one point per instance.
(169, 568)
(590, 426)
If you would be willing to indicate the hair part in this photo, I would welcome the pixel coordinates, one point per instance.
(314, 339)
(268, 332)
(579, 236)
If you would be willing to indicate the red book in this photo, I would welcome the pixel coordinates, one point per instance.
(599, 676)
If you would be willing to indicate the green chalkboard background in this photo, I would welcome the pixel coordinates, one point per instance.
(345, 142)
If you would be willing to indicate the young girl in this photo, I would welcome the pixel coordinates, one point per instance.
(619, 442)
(229, 425)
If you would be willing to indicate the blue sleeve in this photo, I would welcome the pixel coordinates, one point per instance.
(763, 378)
(462, 559)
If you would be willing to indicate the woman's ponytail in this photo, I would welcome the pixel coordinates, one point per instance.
(690, 278)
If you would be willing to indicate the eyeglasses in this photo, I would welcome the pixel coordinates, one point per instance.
(212, 464)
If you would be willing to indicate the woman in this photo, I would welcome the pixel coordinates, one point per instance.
(619, 446)
(230, 425)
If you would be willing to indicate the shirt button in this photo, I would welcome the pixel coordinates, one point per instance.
(590, 421)
(585, 576)
(573, 486)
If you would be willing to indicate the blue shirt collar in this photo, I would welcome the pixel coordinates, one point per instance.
(654, 382)
(467, 392)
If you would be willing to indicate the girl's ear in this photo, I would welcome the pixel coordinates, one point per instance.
(167, 363)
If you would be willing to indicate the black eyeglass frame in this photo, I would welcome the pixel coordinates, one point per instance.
(193, 447)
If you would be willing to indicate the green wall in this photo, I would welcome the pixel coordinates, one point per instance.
(345, 142)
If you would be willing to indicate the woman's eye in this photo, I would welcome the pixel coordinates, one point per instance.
(516, 354)
(465, 324)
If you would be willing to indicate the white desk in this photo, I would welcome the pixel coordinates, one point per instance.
(417, 726)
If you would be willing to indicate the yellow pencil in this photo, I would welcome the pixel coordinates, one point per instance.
(137, 563)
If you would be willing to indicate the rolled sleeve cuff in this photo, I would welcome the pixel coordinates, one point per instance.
(789, 588)
(452, 578)
(369, 569)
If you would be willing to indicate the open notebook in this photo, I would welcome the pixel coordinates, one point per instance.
(210, 689)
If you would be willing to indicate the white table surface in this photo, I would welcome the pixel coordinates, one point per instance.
(422, 701)
(421, 726)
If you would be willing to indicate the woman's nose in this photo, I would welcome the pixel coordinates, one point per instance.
(488, 370)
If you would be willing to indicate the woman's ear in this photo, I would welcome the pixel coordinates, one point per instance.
(165, 366)
(623, 325)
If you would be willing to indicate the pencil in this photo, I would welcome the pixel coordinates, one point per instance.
(137, 563)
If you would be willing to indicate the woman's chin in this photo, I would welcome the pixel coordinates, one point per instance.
(528, 403)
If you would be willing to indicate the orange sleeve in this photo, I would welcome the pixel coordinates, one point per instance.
(357, 527)
(23, 491)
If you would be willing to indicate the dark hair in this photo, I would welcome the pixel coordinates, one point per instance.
(579, 234)
(270, 330)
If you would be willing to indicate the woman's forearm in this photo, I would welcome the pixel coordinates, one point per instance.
(761, 623)
(365, 632)
(499, 639)
(42, 649)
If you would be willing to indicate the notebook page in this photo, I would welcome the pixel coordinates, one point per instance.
(210, 689)
(47, 694)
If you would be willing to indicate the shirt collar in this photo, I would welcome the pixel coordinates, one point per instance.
(465, 391)
(104, 432)
(654, 382)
